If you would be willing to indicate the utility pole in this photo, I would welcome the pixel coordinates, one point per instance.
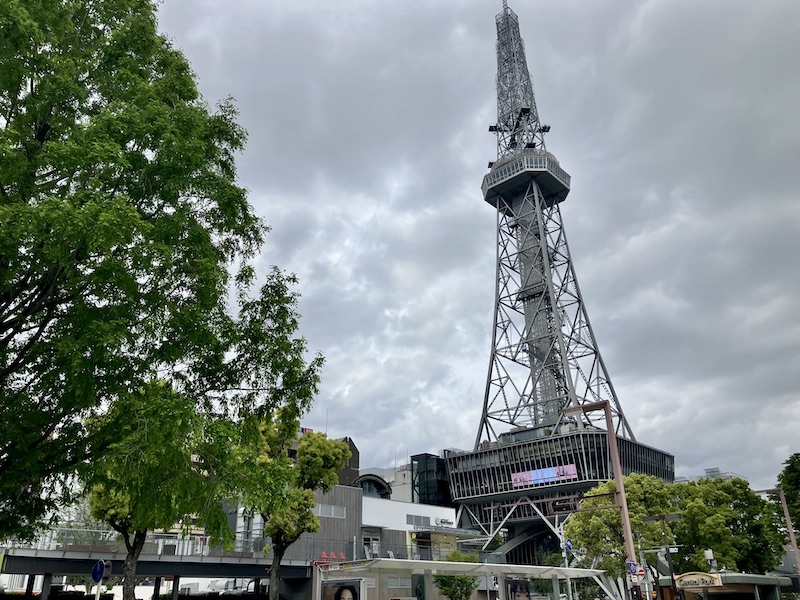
(620, 498)
(566, 548)
(789, 525)
(643, 565)
(665, 540)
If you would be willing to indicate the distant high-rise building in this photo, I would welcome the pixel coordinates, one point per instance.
(711, 473)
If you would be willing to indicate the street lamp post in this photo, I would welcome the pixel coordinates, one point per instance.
(663, 519)
(789, 524)
(620, 499)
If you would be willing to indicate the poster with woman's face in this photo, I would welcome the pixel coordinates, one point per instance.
(519, 590)
(341, 589)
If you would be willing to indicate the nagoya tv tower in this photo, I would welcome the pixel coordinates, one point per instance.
(544, 356)
(537, 451)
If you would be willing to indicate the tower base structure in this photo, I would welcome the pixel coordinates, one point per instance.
(530, 475)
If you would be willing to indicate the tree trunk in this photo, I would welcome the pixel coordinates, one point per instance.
(134, 548)
(277, 556)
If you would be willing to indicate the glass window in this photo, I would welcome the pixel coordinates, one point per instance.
(330, 510)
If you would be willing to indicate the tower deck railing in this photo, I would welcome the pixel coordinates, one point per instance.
(525, 160)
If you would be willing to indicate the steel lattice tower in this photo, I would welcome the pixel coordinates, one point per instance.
(544, 356)
(532, 462)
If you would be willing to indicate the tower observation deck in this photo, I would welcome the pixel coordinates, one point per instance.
(532, 460)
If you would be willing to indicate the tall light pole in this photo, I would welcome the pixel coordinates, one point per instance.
(620, 499)
(789, 525)
(663, 519)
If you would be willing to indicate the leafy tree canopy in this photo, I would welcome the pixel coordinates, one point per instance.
(316, 466)
(729, 518)
(457, 587)
(159, 470)
(157, 474)
(600, 531)
(318, 460)
(724, 516)
(279, 488)
(120, 217)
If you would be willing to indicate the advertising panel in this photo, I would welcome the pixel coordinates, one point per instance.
(342, 589)
(519, 590)
(546, 475)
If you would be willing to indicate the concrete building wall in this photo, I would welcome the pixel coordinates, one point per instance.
(340, 516)
(392, 514)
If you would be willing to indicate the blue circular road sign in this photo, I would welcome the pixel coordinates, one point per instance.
(97, 571)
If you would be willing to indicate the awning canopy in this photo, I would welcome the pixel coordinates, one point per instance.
(725, 582)
(439, 567)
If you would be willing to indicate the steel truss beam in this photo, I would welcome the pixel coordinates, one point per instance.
(544, 356)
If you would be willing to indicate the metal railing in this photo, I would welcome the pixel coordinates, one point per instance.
(522, 161)
(93, 541)
(308, 549)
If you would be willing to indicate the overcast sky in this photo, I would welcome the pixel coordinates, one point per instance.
(678, 122)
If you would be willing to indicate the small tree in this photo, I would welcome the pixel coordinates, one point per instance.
(318, 461)
(156, 474)
(457, 587)
(279, 489)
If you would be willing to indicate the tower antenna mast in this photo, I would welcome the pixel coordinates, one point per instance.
(518, 125)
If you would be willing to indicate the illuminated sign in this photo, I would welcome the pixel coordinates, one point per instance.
(542, 476)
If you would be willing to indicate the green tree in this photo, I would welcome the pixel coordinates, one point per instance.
(600, 531)
(279, 489)
(120, 216)
(725, 516)
(729, 518)
(187, 450)
(789, 481)
(318, 461)
(157, 473)
(457, 587)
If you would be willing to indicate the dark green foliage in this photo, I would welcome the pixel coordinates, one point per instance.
(457, 587)
(728, 517)
(789, 481)
(724, 516)
(119, 219)
(600, 531)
